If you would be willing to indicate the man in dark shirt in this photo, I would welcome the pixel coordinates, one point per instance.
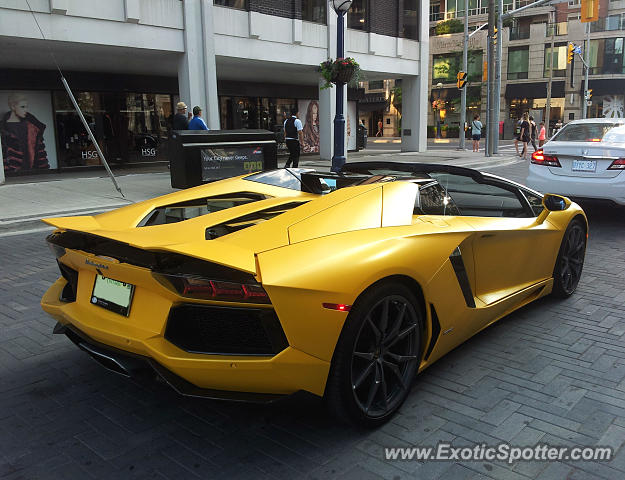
(181, 119)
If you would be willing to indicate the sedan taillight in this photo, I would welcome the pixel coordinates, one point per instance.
(540, 158)
(617, 164)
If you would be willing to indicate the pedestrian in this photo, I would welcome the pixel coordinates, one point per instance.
(559, 125)
(476, 132)
(181, 119)
(197, 123)
(524, 135)
(517, 134)
(380, 132)
(541, 135)
(533, 131)
(294, 135)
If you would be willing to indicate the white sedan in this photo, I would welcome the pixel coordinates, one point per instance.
(585, 159)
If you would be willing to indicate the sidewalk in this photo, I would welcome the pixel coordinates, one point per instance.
(25, 200)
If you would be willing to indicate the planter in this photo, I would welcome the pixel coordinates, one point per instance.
(344, 75)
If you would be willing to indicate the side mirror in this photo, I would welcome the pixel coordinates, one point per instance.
(555, 203)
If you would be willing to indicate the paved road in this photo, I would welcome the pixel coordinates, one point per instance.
(553, 372)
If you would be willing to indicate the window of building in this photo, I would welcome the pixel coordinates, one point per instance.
(411, 19)
(435, 12)
(240, 4)
(559, 28)
(508, 5)
(574, 2)
(455, 8)
(478, 7)
(518, 62)
(376, 85)
(357, 15)
(314, 11)
(558, 59)
(606, 56)
(609, 23)
(445, 66)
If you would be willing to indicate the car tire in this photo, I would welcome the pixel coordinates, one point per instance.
(377, 356)
(570, 260)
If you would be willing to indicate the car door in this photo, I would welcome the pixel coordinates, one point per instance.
(511, 250)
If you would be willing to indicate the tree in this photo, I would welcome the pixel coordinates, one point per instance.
(453, 25)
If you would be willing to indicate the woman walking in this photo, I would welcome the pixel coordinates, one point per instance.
(541, 135)
(476, 132)
(524, 135)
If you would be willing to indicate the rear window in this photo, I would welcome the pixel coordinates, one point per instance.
(592, 132)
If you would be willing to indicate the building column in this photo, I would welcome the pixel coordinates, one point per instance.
(415, 93)
(197, 78)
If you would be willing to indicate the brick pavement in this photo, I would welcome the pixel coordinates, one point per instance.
(553, 372)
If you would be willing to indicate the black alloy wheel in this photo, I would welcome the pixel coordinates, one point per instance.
(570, 261)
(377, 356)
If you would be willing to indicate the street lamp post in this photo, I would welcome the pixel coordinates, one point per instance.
(338, 158)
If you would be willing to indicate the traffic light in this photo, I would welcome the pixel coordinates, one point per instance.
(462, 79)
(495, 36)
(589, 94)
(569, 58)
(589, 11)
(485, 72)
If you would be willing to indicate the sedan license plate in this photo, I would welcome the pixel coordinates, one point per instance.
(112, 294)
(584, 165)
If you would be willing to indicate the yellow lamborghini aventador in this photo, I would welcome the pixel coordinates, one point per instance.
(343, 285)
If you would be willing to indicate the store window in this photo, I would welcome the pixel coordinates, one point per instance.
(558, 59)
(240, 4)
(518, 62)
(314, 11)
(357, 15)
(129, 127)
(255, 112)
(411, 19)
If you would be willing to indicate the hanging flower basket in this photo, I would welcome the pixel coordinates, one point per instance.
(341, 70)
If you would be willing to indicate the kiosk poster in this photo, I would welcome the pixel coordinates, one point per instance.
(27, 131)
(227, 162)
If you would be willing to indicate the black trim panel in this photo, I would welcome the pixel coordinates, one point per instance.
(463, 279)
(436, 332)
(137, 366)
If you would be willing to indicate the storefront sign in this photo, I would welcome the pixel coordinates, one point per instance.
(220, 163)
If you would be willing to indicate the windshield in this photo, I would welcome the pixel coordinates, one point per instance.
(592, 132)
(290, 178)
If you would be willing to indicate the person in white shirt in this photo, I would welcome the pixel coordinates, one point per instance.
(294, 137)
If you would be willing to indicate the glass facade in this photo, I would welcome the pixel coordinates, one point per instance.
(314, 11)
(241, 4)
(357, 15)
(518, 62)
(411, 19)
(129, 127)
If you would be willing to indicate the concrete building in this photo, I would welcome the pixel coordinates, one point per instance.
(525, 63)
(245, 62)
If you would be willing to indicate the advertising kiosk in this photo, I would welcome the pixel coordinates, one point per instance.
(202, 156)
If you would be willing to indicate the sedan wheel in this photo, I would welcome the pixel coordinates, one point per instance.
(570, 260)
(377, 356)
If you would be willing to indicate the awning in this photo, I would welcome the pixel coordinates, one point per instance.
(534, 90)
(371, 107)
(606, 86)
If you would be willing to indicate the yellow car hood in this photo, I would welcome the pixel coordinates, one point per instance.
(347, 209)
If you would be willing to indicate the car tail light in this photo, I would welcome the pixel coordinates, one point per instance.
(617, 164)
(209, 289)
(540, 158)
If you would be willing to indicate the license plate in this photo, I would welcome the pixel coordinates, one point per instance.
(112, 294)
(584, 165)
